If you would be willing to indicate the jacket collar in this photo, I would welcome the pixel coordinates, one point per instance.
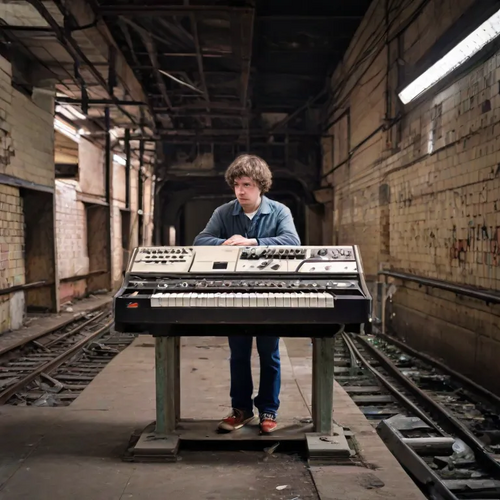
(264, 208)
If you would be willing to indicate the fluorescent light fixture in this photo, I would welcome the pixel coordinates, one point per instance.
(472, 44)
(65, 129)
(119, 159)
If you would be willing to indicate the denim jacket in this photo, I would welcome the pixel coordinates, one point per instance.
(272, 225)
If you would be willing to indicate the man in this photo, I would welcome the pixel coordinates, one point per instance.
(249, 220)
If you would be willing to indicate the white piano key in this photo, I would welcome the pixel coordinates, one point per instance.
(260, 300)
(186, 299)
(156, 300)
(286, 297)
(161, 299)
(220, 299)
(276, 299)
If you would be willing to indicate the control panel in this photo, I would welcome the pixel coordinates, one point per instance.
(231, 259)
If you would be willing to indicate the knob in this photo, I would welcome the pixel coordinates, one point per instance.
(323, 251)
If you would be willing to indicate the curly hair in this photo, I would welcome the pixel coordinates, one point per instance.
(250, 166)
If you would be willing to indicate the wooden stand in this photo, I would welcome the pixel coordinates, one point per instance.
(160, 441)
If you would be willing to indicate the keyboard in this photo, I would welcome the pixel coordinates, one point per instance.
(220, 290)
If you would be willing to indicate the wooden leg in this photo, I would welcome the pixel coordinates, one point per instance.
(322, 385)
(166, 351)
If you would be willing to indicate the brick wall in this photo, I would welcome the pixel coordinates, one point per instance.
(12, 270)
(424, 196)
(27, 134)
(72, 253)
(26, 152)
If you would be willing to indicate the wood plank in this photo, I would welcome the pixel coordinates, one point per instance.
(473, 485)
(360, 389)
(433, 445)
(373, 399)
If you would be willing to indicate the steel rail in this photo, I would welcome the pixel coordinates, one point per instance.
(471, 385)
(52, 364)
(391, 388)
(441, 414)
(75, 330)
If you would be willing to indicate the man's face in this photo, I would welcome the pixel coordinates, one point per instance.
(247, 191)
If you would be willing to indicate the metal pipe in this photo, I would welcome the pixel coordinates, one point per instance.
(140, 208)
(26, 286)
(487, 296)
(75, 51)
(127, 168)
(83, 276)
(98, 102)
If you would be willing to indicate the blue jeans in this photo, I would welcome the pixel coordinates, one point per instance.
(267, 400)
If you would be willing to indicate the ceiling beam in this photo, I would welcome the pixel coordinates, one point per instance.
(308, 18)
(76, 53)
(231, 132)
(99, 102)
(171, 10)
(150, 45)
(199, 60)
(190, 54)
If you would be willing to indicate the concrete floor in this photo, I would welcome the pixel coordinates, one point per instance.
(76, 452)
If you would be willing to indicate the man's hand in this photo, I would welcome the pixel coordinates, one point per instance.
(240, 241)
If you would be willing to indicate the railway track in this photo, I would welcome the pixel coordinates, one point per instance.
(57, 367)
(443, 428)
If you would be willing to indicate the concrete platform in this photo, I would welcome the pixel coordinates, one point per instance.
(44, 324)
(77, 451)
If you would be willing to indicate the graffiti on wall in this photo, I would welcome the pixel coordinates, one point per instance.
(481, 240)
